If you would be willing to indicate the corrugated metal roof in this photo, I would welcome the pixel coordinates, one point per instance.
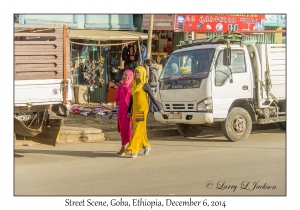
(106, 35)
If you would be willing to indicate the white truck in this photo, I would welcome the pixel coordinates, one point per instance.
(223, 83)
(41, 80)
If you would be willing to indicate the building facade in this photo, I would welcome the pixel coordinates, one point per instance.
(92, 36)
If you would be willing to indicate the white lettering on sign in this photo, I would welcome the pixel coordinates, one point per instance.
(249, 20)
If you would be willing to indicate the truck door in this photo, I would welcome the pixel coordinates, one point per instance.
(227, 87)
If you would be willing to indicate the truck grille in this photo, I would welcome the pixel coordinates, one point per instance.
(179, 107)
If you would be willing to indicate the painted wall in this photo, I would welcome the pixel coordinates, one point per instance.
(103, 21)
(137, 22)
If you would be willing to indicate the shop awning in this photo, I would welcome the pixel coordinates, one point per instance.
(105, 35)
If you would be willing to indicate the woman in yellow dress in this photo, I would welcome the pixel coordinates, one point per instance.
(138, 109)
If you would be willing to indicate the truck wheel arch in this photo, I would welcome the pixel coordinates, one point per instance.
(245, 104)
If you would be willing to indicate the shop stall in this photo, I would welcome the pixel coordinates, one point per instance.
(163, 37)
(97, 59)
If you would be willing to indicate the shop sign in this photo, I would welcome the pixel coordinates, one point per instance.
(218, 22)
(160, 22)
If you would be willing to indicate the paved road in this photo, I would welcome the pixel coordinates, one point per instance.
(207, 165)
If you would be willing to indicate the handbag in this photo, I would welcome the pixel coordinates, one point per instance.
(139, 116)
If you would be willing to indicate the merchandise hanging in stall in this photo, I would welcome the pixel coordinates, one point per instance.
(106, 45)
(91, 64)
(91, 69)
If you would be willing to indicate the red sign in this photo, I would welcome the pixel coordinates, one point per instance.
(218, 22)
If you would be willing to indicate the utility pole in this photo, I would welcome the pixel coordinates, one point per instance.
(149, 42)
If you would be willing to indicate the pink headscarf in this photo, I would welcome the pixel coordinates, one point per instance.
(127, 83)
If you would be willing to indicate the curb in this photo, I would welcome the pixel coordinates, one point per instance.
(74, 133)
(77, 133)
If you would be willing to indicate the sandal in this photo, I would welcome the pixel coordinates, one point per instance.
(121, 152)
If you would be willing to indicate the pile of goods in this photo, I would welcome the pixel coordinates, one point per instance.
(93, 109)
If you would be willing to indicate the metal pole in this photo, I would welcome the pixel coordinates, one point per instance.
(139, 47)
(65, 81)
(149, 42)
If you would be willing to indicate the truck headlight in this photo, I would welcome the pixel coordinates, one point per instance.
(205, 105)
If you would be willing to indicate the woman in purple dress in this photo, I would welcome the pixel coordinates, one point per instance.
(123, 99)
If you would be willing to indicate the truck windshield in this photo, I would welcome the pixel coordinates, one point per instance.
(188, 64)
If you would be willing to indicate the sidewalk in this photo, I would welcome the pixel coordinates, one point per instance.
(90, 129)
(79, 128)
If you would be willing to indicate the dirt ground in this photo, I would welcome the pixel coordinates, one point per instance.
(106, 124)
(110, 125)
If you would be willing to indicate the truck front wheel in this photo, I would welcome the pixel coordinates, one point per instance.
(238, 125)
(188, 130)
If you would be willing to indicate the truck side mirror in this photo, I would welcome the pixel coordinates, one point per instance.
(227, 56)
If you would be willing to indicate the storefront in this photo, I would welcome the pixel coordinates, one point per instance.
(163, 36)
(96, 60)
(96, 45)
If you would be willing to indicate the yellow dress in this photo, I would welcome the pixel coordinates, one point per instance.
(139, 134)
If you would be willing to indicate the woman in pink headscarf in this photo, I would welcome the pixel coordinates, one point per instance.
(123, 99)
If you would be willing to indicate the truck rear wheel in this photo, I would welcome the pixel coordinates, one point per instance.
(188, 130)
(238, 125)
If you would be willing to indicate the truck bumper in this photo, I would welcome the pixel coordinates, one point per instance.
(187, 118)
